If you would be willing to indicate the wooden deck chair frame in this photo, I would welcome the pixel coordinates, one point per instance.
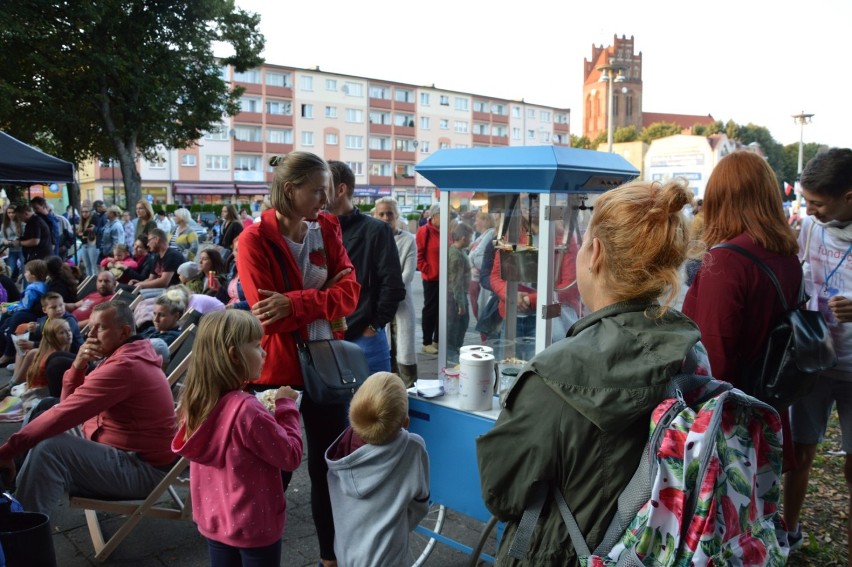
(173, 348)
(179, 372)
(88, 285)
(135, 510)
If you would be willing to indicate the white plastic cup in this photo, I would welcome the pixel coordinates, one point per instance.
(450, 379)
(476, 381)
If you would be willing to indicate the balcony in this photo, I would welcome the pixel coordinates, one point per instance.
(383, 155)
(279, 119)
(248, 147)
(381, 180)
(499, 118)
(247, 175)
(249, 117)
(482, 139)
(382, 103)
(279, 92)
(381, 129)
(250, 88)
(403, 180)
(561, 128)
(278, 149)
(481, 116)
(404, 130)
(402, 155)
(401, 106)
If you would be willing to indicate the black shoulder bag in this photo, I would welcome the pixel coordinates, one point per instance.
(798, 348)
(332, 369)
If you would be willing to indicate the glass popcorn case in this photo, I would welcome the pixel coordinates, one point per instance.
(511, 222)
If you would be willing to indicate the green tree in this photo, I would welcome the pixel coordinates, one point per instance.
(120, 78)
(659, 130)
(580, 142)
(625, 134)
(598, 140)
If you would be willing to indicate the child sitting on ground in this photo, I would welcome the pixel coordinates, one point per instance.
(378, 477)
(236, 448)
(120, 261)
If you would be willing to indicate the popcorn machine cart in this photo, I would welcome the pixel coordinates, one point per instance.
(540, 200)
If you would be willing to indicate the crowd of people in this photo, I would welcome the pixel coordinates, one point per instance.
(314, 266)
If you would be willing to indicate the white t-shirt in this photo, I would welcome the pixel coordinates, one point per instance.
(310, 257)
(829, 259)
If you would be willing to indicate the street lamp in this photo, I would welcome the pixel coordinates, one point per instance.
(801, 119)
(606, 74)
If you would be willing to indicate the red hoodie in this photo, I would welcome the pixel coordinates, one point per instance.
(428, 240)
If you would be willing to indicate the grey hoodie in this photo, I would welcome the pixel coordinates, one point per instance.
(379, 493)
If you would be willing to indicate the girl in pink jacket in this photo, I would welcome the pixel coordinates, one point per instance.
(236, 447)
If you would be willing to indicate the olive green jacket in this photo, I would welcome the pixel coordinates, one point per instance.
(579, 416)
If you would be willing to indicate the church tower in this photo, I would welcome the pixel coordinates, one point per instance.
(627, 96)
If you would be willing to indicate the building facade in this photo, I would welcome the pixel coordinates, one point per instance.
(627, 93)
(381, 128)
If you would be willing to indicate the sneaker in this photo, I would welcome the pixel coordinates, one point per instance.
(11, 367)
(795, 539)
(430, 349)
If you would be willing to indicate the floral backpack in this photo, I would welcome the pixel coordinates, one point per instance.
(706, 491)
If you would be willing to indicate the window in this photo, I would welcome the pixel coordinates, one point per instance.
(218, 163)
(445, 100)
(544, 116)
(188, 160)
(355, 142)
(545, 137)
(531, 134)
(307, 83)
(462, 146)
(461, 127)
(247, 133)
(531, 113)
(424, 122)
(516, 133)
(498, 130)
(353, 89)
(224, 73)
(217, 133)
(400, 119)
(278, 79)
(629, 101)
(355, 115)
(405, 144)
(516, 112)
(405, 170)
(331, 112)
(481, 106)
(279, 135)
(444, 124)
(331, 139)
(331, 84)
(425, 99)
(307, 138)
(462, 103)
(357, 167)
(499, 109)
(377, 117)
(280, 107)
(443, 145)
(307, 111)
(158, 162)
(403, 95)
(380, 143)
(481, 129)
(378, 91)
(424, 147)
(246, 163)
(250, 76)
(561, 118)
(382, 169)
(249, 104)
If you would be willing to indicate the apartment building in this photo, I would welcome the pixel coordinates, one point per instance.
(381, 128)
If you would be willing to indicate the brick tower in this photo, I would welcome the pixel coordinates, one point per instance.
(627, 97)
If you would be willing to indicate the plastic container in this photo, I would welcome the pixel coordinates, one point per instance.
(450, 379)
(476, 381)
(485, 349)
(27, 540)
(508, 375)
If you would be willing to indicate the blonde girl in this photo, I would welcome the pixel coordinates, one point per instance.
(236, 447)
(56, 337)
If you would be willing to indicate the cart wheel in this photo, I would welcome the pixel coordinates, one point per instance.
(420, 541)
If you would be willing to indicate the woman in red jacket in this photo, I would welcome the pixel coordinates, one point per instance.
(733, 302)
(428, 241)
(320, 286)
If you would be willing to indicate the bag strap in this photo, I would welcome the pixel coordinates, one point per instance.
(300, 343)
(759, 263)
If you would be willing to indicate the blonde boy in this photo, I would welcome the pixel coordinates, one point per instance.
(378, 477)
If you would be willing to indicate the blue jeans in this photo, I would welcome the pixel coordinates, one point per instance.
(90, 255)
(223, 555)
(15, 261)
(376, 350)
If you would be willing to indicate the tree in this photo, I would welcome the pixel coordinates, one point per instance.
(625, 134)
(120, 78)
(659, 130)
(580, 142)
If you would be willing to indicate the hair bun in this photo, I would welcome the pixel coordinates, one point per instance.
(674, 195)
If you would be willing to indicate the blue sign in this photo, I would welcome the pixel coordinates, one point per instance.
(150, 198)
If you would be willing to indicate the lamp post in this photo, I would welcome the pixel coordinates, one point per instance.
(801, 119)
(607, 77)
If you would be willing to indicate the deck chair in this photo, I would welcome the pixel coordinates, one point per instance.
(182, 350)
(176, 376)
(191, 317)
(183, 336)
(87, 286)
(176, 507)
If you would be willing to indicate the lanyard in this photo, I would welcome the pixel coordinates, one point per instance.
(828, 276)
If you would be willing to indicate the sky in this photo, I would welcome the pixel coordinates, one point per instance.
(752, 61)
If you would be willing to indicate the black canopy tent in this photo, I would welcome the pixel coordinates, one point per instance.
(21, 164)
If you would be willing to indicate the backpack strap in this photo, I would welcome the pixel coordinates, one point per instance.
(759, 263)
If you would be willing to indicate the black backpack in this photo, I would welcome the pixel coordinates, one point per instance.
(798, 348)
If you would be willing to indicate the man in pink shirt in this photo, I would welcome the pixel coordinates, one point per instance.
(127, 411)
(104, 290)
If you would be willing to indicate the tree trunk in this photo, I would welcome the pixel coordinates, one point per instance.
(132, 182)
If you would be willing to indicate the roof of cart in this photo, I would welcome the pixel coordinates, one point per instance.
(533, 169)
